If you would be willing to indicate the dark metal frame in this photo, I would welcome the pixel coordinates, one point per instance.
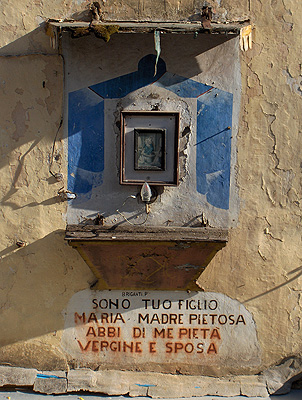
(175, 181)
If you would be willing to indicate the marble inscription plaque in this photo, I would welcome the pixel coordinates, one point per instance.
(140, 327)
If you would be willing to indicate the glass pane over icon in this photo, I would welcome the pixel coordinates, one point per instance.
(149, 149)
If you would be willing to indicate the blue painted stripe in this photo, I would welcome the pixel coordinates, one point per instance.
(138, 384)
(213, 147)
(85, 141)
(43, 376)
(213, 144)
(181, 86)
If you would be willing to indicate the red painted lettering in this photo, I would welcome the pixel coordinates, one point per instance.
(170, 333)
(111, 332)
(103, 345)
(189, 348)
(91, 332)
(169, 347)
(152, 347)
(182, 332)
(215, 334)
(138, 348)
(128, 346)
(212, 349)
(178, 346)
(101, 331)
(92, 318)
(95, 347)
(194, 333)
(81, 318)
(159, 333)
(86, 347)
(199, 348)
(204, 332)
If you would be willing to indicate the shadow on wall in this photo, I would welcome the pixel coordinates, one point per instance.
(32, 91)
(37, 282)
(296, 271)
(34, 42)
(18, 129)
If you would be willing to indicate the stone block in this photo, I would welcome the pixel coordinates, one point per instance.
(50, 385)
(114, 382)
(169, 386)
(139, 389)
(254, 390)
(157, 385)
(107, 382)
(80, 379)
(17, 376)
(252, 386)
(279, 378)
(224, 387)
(174, 386)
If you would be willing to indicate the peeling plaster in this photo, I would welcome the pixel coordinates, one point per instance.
(294, 83)
(19, 117)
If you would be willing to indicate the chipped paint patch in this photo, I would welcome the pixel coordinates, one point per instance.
(144, 385)
(187, 267)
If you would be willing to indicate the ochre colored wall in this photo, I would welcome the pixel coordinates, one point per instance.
(261, 264)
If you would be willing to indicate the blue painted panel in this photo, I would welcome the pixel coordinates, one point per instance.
(125, 84)
(181, 86)
(85, 141)
(214, 116)
(213, 153)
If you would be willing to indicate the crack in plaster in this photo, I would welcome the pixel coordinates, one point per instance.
(271, 119)
(250, 82)
(261, 255)
(288, 10)
(273, 237)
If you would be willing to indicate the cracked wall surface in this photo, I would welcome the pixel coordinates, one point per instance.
(261, 265)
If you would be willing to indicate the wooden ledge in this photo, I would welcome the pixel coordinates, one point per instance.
(146, 257)
(232, 28)
(147, 233)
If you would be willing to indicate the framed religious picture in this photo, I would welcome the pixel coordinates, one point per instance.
(149, 147)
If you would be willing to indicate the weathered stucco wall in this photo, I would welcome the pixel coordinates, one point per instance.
(261, 264)
(269, 180)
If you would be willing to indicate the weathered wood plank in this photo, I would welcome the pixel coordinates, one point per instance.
(147, 27)
(101, 233)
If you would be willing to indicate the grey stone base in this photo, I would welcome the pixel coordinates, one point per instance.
(156, 385)
(150, 384)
